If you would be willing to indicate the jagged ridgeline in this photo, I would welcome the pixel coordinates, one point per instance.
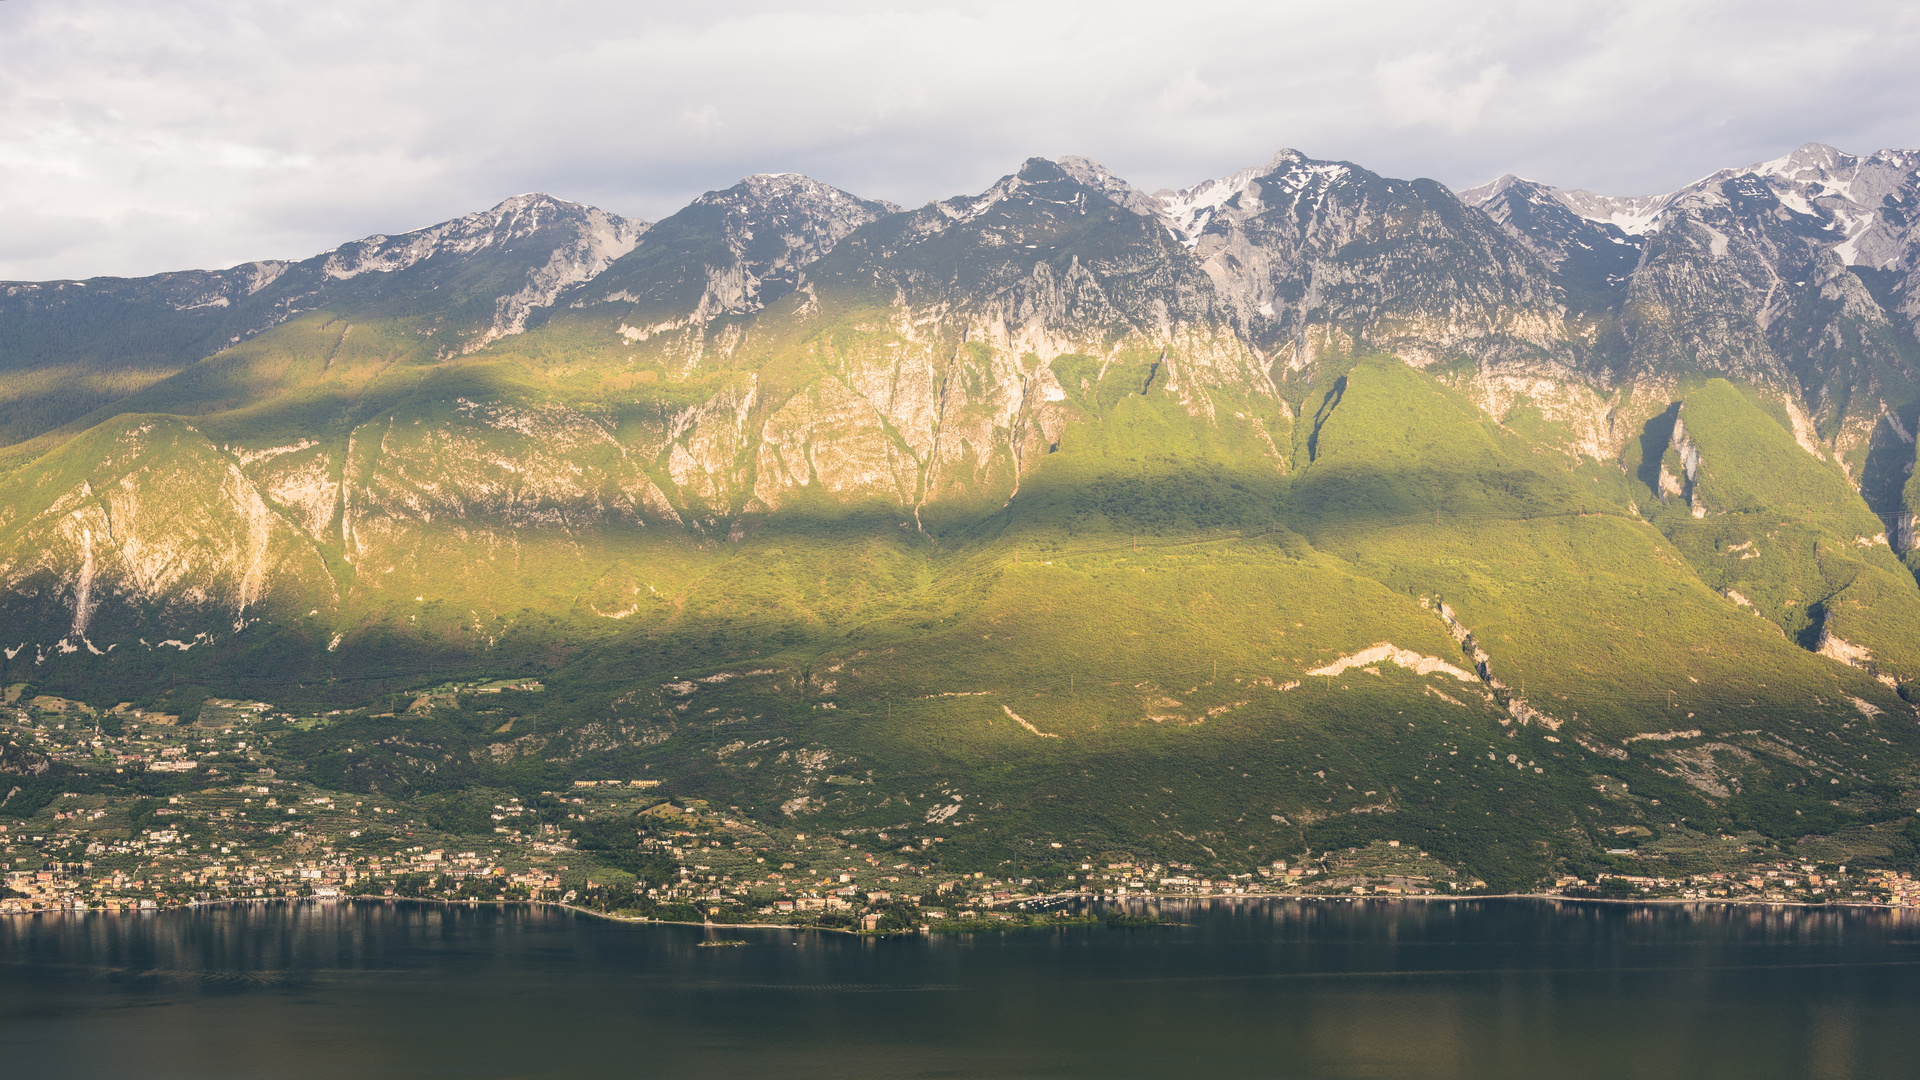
(1297, 508)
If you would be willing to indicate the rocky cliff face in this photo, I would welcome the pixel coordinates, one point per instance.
(1796, 274)
(161, 532)
(925, 365)
(1320, 257)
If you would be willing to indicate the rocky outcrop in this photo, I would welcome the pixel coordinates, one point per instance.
(1406, 658)
(156, 528)
(1687, 485)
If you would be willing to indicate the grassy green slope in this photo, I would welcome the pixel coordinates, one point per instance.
(1786, 536)
(69, 348)
(1161, 672)
(1154, 629)
(1910, 502)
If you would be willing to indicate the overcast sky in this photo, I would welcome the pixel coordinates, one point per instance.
(161, 134)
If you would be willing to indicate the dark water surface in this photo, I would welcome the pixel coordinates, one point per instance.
(1482, 989)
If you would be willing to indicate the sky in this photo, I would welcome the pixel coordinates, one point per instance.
(138, 137)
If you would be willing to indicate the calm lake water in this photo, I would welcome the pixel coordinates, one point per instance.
(1482, 989)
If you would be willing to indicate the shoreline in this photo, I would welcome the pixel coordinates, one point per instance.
(227, 901)
(1005, 906)
(1457, 897)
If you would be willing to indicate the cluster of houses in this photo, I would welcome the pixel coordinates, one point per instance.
(1795, 882)
(75, 886)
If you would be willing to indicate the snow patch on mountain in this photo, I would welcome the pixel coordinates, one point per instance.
(1189, 211)
(1635, 216)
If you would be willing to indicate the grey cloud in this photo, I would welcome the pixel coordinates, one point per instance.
(136, 137)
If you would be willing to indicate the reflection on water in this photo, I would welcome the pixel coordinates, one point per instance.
(1304, 989)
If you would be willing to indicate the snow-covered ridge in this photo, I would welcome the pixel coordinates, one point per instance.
(1190, 210)
(1845, 195)
(1633, 215)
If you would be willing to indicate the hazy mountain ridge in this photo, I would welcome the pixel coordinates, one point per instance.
(67, 347)
(1275, 268)
(729, 253)
(580, 242)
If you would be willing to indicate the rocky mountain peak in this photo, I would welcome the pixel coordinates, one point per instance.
(769, 189)
(1838, 194)
(1847, 198)
(1811, 162)
(1190, 210)
(778, 221)
(599, 236)
(1487, 193)
(729, 253)
(1098, 177)
(1034, 175)
(1593, 254)
(1289, 176)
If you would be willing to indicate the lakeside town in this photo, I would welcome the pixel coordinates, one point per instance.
(217, 819)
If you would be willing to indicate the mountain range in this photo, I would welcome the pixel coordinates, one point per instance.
(1299, 507)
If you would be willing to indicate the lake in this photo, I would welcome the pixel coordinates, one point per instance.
(1481, 988)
